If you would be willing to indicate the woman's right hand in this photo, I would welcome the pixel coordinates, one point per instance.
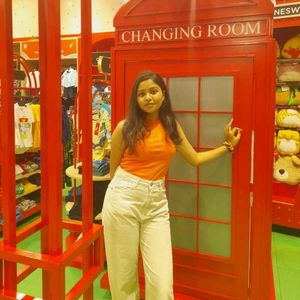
(232, 135)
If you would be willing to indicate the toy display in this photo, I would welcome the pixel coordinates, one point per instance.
(294, 96)
(289, 71)
(291, 48)
(287, 170)
(288, 142)
(288, 118)
(282, 95)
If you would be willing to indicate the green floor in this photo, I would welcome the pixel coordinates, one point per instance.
(285, 257)
(72, 275)
(286, 266)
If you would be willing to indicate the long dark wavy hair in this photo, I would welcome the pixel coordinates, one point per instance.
(134, 128)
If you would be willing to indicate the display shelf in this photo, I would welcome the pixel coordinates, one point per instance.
(72, 172)
(28, 213)
(288, 60)
(28, 192)
(286, 128)
(279, 106)
(287, 83)
(286, 197)
(21, 176)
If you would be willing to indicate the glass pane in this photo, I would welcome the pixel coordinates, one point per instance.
(188, 122)
(214, 239)
(212, 129)
(217, 171)
(216, 93)
(215, 203)
(184, 93)
(181, 170)
(182, 198)
(183, 233)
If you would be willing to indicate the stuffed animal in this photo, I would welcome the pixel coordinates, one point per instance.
(282, 95)
(288, 142)
(287, 169)
(288, 71)
(294, 96)
(288, 118)
(291, 49)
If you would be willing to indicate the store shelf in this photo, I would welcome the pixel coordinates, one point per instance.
(72, 172)
(28, 213)
(287, 83)
(287, 128)
(287, 106)
(288, 60)
(28, 192)
(21, 176)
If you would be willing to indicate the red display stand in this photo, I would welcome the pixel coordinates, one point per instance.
(52, 258)
(202, 48)
(286, 198)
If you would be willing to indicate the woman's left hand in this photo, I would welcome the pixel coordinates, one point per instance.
(232, 135)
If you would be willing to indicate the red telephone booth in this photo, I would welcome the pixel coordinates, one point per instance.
(218, 60)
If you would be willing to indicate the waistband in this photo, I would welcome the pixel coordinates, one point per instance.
(125, 175)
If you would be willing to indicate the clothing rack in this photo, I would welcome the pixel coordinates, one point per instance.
(22, 100)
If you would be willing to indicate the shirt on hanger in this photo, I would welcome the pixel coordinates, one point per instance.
(69, 78)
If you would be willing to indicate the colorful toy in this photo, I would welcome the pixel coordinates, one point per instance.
(288, 142)
(287, 169)
(291, 48)
(288, 118)
(294, 96)
(282, 95)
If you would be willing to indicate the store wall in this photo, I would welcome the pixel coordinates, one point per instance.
(25, 16)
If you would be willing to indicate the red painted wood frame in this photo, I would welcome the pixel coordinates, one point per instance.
(52, 259)
(143, 41)
(286, 198)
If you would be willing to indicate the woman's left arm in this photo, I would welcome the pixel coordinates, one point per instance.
(232, 138)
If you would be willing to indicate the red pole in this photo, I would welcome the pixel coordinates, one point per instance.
(85, 104)
(51, 142)
(7, 136)
(85, 109)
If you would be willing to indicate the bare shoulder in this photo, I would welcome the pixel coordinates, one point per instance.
(120, 126)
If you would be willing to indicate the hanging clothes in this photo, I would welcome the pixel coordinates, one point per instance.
(36, 127)
(23, 127)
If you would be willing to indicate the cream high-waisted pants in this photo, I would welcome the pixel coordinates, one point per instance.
(136, 215)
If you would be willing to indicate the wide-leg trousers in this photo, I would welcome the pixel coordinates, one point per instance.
(135, 216)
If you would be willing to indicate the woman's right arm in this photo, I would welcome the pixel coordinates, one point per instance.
(117, 148)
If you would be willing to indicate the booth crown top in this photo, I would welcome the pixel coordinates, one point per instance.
(145, 12)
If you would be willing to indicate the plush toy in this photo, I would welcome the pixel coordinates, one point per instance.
(278, 51)
(287, 170)
(294, 96)
(282, 95)
(291, 49)
(288, 142)
(288, 118)
(288, 71)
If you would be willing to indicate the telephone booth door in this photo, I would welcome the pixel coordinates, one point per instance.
(213, 219)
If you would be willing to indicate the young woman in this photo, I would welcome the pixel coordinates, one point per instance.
(135, 212)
